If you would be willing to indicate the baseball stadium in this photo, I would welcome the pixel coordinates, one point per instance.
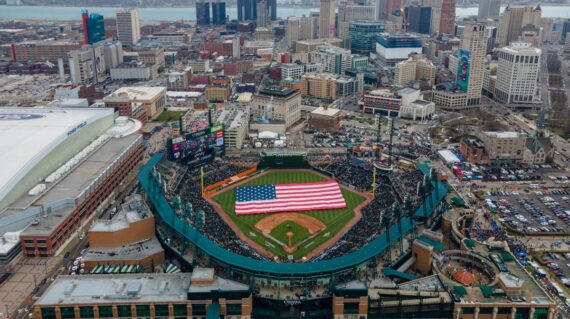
(294, 257)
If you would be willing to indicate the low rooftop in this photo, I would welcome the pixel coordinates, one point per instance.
(136, 251)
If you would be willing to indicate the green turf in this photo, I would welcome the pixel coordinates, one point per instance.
(169, 116)
(299, 233)
(334, 219)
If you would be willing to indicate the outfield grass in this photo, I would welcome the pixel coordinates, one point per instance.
(334, 219)
(169, 116)
(299, 233)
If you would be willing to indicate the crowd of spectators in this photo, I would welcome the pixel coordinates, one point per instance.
(352, 172)
(349, 171)
(214, 227)
(498, 233)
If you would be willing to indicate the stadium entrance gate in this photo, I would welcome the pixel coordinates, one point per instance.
(283, 160)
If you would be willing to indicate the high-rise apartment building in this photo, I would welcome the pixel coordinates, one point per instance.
(349, 11)
(514, 19)
(128, 26)
(327, 19)
(489, 9)
(263, 17)
(517, 74)
(93, 27)
(219, 12)
(447, 18)
(202, 12)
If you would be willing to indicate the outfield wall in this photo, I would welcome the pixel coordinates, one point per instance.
(268, 268)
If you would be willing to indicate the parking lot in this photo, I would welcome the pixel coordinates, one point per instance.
(533, 212)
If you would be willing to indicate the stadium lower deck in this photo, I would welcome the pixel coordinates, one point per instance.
(199, 237)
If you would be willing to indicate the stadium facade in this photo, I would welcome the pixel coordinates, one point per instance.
(63, 165)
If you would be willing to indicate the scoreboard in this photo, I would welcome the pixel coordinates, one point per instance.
(198, 147)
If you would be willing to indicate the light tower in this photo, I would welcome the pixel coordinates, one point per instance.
(386, 221)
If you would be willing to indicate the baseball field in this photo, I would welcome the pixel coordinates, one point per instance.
(291, 235)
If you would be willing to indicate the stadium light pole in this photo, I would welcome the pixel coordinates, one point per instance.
(386, 219)
(410, 212)
(397, 213)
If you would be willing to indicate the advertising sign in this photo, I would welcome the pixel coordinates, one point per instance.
(198, 147)
(463, 70)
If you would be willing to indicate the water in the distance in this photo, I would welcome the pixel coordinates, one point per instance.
(172, 14)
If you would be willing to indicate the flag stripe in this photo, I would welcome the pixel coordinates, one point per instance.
(288, 197)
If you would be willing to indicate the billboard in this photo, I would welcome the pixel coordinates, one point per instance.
(463, 70)
(198, 147)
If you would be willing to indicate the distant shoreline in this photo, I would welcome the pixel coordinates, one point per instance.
(280, 6)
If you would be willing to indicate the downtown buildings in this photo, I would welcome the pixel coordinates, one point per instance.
(93, 27)
(517, 74)
(247, 10)
(489, 9)
(327, 19)
(128, 26)
(513, 21)
(465, 91)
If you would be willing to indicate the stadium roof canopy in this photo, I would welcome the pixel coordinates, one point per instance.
(373, 249)
(28, 135)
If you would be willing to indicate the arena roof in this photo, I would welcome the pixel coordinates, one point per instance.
(27, 135)
(375, 247)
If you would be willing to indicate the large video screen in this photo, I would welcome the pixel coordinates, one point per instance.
(198, 147)
(463, 70)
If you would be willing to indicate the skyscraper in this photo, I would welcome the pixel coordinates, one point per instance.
(219, 12)
(93, 27)
(327, 19)
(263, 18)
(202, 12)
(381, 9)
(128, 26)
(293, 29)
(489, 9)
(418, 19)
(447, 18)
(246, 10)
(272, 9)
(307, 28)
(517, 74)
(472, 61)
(514, 19)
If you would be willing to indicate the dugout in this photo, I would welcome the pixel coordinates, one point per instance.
(283, 160)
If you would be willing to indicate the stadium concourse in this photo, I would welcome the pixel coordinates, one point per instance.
(195, 232)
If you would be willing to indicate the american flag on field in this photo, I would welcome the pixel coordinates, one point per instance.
(288, 198)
